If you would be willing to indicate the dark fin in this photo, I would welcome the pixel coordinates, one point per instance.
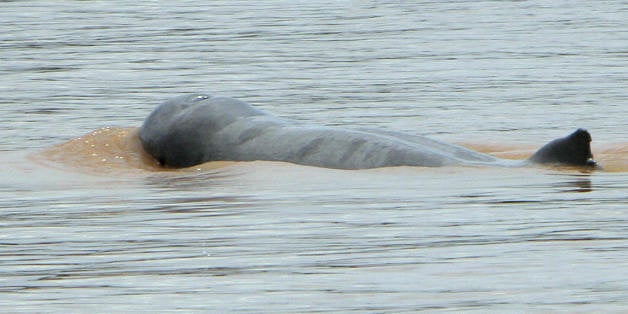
(572, 150)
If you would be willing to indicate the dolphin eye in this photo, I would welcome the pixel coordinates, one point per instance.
(201, 97)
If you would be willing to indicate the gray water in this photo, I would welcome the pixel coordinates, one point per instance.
(90, 225)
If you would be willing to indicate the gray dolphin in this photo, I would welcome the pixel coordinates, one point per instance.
(193, 129)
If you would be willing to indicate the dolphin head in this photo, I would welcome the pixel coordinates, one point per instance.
(168, 131)
(182, 131)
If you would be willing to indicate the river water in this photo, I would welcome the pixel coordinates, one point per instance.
(90, 224)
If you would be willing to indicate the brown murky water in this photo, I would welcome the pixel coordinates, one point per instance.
(91, 224)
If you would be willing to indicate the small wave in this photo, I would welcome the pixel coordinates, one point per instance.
(613, 157)
(106, 150)
(110, 151)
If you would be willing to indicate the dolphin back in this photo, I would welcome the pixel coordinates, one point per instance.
(197, 128)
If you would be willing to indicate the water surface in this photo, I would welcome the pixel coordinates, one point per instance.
(90, 224)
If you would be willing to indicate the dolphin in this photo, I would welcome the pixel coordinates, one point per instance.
(196, 128)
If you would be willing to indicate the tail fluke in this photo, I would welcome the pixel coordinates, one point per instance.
(573, 150)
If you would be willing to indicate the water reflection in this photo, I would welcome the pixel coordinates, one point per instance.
(577, 183)
(182, 180)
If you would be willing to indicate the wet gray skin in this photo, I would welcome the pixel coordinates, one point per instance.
(197, 128)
